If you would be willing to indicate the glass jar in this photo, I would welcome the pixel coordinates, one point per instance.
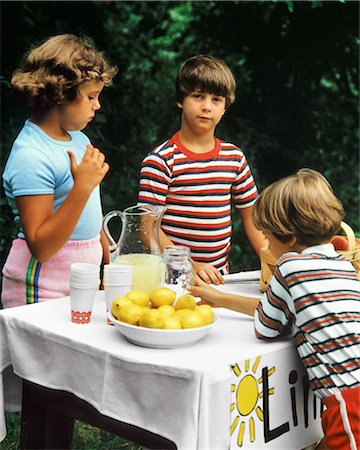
(178, 268)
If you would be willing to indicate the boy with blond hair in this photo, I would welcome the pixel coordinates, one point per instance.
(314, 292)
(195, 175)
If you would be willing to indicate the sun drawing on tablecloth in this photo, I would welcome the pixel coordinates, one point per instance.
(247, 394)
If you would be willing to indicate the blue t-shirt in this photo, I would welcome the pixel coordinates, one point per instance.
(39, 165)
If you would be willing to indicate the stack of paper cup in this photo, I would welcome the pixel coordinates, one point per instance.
(84, 283)
(117, 282)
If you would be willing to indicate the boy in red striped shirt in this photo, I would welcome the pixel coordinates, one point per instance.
(195, 175)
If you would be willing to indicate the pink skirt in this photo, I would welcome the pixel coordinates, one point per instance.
(27, 281)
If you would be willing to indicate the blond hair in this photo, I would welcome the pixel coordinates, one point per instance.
(208, 74)
(51, 73)
(302, 206)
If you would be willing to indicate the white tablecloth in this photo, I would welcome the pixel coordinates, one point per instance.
(182, 394)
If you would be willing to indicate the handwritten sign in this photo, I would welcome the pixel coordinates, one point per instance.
(272, 405)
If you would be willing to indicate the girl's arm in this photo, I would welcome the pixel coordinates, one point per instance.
(47, 231)
(255, 236)
(213, 297)
(105, 247)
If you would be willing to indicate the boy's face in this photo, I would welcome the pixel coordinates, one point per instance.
(202, 111)
(278, 248)
(78, 113)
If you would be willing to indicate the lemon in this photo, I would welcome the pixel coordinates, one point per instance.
(186, 301)
(152, 319)
(182, 312)
(119, 303)
(139, 297)
(192, 320)
(130, 314)
(166, 310)
(162, 296)
(207, 313)
(172, 323)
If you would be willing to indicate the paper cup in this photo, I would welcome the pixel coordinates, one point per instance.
(84, 284)
(117, 282)
(117, 274)
(113, 292)
(84, 268)
(81, 302)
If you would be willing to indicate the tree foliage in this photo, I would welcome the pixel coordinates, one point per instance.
(296, 66)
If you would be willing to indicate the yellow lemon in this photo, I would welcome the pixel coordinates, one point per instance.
(139, 297)
(192, 320)
(166, 310)
(119, 303)
(130, 314)
(151, 319)
(207, 313)
(186, 301)
(172, 323)
(182, 312)
(162, 296)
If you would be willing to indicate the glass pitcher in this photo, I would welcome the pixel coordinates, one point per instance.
(138, 245)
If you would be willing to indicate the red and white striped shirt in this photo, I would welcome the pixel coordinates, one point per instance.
(196, 190)
(317, 294)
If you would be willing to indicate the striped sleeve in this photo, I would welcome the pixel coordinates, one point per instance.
(155, 178)
(274, 312)
(244, 190)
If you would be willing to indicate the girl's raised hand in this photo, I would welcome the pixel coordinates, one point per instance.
(91, 169)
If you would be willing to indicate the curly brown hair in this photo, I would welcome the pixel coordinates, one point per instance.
(208, 74)
(51, 73)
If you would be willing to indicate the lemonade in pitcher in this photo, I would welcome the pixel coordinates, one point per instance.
(148, 270)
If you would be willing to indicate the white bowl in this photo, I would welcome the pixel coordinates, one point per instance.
(158, 338)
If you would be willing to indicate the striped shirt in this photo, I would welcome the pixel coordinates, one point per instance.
(196, 190)
(317, 294)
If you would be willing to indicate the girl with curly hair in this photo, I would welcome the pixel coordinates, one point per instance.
(53, 172)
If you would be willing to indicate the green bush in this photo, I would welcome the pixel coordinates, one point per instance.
(296, 65)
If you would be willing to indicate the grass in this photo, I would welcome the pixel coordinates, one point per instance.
(86, 437)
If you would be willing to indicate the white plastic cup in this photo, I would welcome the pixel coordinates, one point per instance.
(84, 268)
(113, 292)
(117, 282)
(117, 275)
(81, 302)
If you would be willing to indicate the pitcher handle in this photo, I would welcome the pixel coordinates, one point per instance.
(110, 215)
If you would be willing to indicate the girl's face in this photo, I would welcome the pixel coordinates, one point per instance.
(78, 113)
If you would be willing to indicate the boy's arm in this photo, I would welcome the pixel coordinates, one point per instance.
(213, 297)
(255, 236)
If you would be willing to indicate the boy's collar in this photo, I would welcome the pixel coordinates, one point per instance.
(324, 249)
(208, 155)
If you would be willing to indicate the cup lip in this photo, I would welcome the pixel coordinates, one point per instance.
(84, 268)
(84, 280)
(84, 286)
(84, 276)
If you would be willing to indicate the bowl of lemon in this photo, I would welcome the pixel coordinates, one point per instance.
(160, 320)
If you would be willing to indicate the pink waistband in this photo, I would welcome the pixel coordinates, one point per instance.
(87, 243)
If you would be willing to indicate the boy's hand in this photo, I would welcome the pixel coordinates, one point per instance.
(91, 169)
(208, 295)
(207, 273)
